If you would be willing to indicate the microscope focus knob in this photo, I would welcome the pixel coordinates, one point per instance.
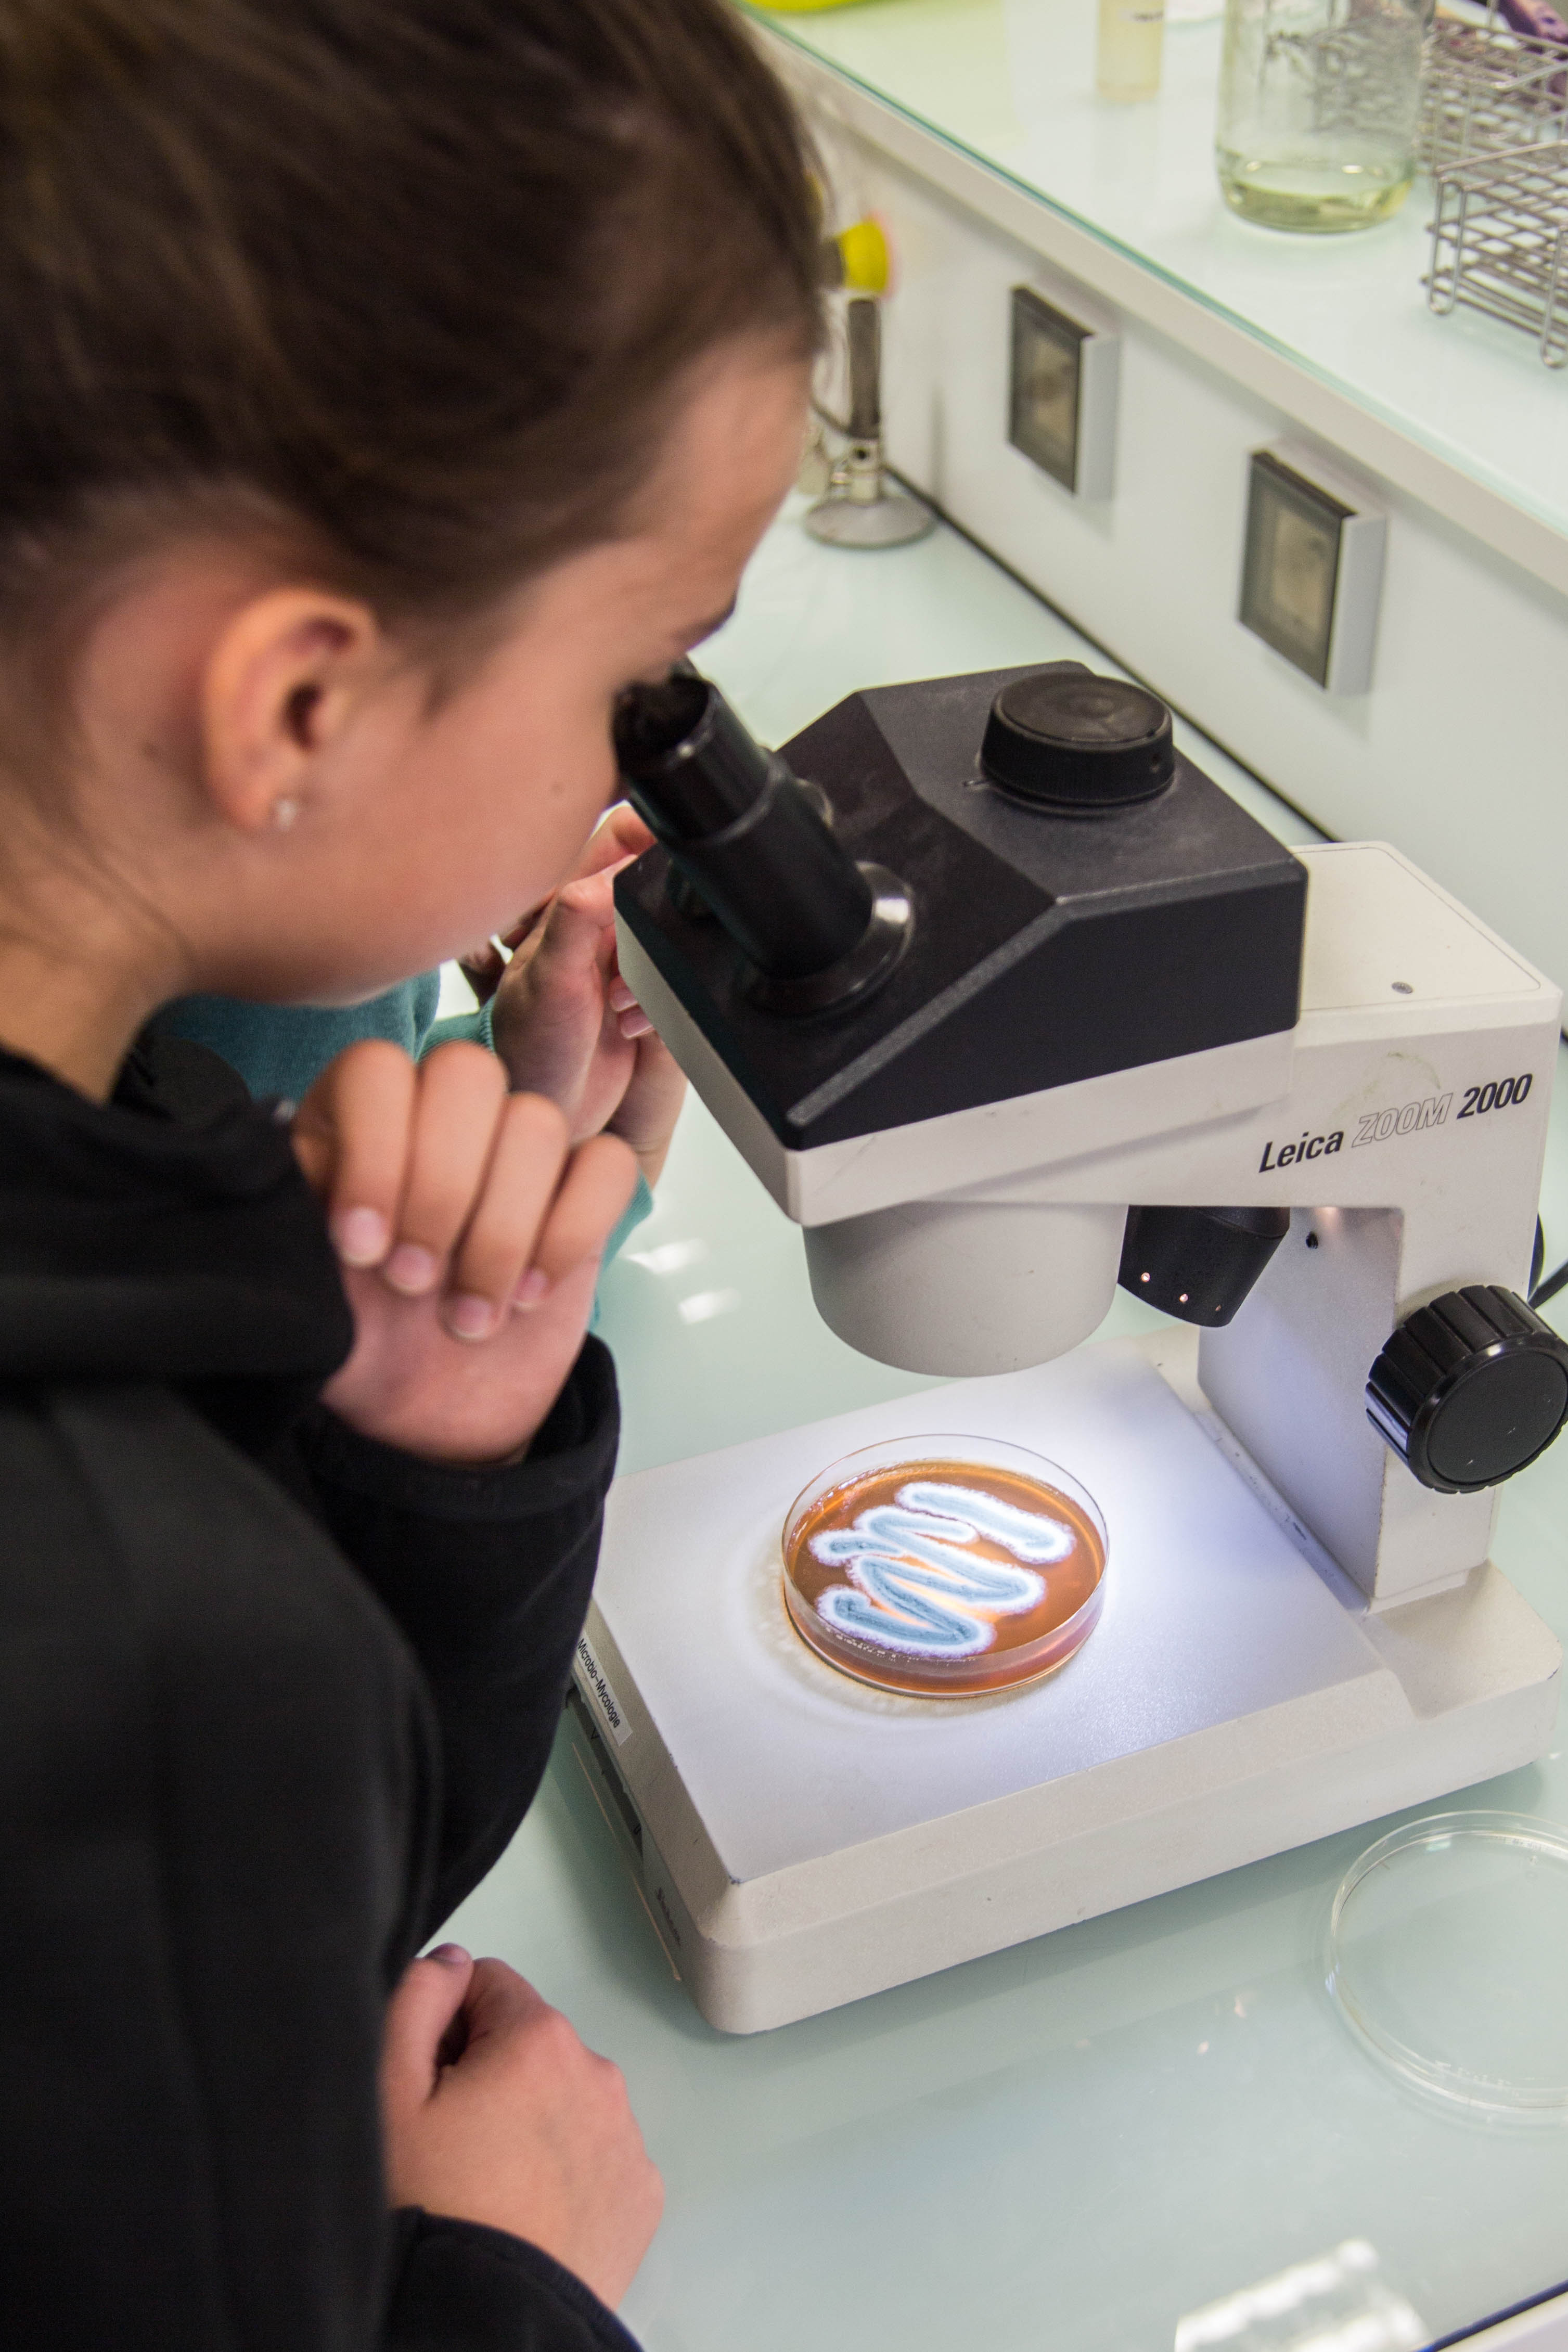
(1064, 739)
(1469, 1389)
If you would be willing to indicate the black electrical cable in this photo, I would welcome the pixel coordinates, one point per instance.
(1540, 1291)
(1556, 1281)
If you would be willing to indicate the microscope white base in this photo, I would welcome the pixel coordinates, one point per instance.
(802, 1840)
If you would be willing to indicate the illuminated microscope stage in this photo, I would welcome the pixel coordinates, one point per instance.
(802, 1839)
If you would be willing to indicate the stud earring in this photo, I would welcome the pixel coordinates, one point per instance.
(284, 812)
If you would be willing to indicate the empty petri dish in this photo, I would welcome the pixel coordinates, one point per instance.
(1446, 1959)
(944, 1566)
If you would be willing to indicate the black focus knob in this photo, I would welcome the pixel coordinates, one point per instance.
(1064, 739)
(1470, 1389)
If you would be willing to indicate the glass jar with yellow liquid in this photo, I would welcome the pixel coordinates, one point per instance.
(1318, 107)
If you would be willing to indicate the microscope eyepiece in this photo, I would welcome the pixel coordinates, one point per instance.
(653, 721)
(689, 765)
(815, 928)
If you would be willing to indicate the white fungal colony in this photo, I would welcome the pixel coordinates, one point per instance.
(916, 1586)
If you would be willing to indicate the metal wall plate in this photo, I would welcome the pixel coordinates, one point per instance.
(1062, 395)
(1312, 569)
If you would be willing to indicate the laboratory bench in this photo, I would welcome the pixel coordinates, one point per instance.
(973, 130)
(1069, 2144)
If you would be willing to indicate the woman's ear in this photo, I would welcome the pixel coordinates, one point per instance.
(278, 688)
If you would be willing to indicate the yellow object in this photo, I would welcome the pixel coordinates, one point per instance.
(862, 248)
(802, 7)
(1127, 61)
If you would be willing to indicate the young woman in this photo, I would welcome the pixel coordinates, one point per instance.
(387, 384)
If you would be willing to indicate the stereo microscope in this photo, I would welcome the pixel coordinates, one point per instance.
(1005, 1002)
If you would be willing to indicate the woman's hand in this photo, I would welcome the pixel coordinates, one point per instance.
(565, 1021)
(567, 1026)
(619, 837)
(470, 1233)
(494, 2111)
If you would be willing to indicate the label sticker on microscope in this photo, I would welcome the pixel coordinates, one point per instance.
(597, 1690)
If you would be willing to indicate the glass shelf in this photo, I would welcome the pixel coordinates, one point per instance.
(1010, 83)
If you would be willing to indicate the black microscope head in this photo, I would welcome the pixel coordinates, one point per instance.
(1078, 898)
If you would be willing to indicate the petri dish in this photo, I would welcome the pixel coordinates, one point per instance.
(944, 1567)
(1445, 1957)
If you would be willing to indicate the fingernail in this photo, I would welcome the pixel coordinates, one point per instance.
(451, 1956)
(468, 1316)
(636, 1024)
(621, 997)
(411, 1270)
(361, 1236)
(531, 1289)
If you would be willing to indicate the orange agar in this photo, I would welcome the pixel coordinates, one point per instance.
(944, 1573)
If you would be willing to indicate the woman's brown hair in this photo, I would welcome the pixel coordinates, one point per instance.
(417, 279)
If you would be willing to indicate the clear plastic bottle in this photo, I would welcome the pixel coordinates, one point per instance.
(1318, 107)
(1127, 56)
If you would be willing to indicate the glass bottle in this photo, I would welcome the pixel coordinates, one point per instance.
(1126, 54)
(1318, 106)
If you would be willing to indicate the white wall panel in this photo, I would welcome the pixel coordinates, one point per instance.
(1458, 753)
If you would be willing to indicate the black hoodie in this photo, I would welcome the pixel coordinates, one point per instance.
(272, 1699)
